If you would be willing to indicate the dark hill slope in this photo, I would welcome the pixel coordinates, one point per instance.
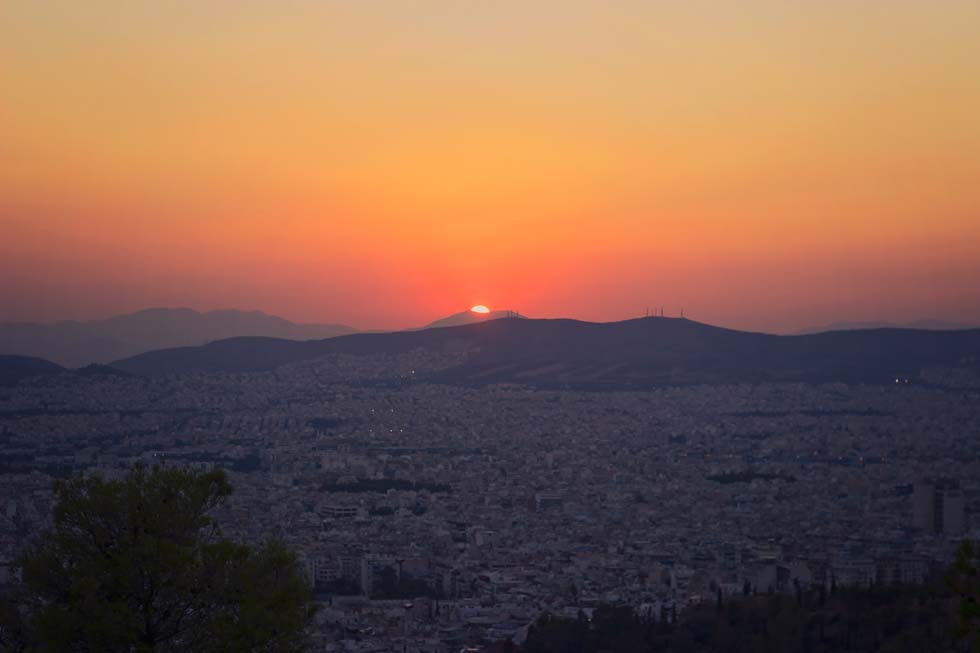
(658, 351)
(630, 354)
(469, 317)
(15, 368)
(75, 344)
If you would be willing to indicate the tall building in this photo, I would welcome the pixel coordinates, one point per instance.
(923, 512)
(951, 512)
(938, 506)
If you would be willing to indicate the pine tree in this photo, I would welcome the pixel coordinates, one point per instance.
(139, 564)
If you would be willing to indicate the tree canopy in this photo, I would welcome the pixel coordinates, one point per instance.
(964, 578)
(139, 564)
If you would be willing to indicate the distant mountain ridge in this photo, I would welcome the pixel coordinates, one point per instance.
(470, 317)
(928, 325)
(74, 343)
(632, 354)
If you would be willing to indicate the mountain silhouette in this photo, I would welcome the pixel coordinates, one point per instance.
(930, 325)
(15, 368)
(74, 344)
(632, 354)
(470, 317)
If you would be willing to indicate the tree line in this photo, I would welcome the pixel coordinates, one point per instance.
(939, 615)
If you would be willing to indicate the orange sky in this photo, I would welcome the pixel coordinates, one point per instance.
(769, 165)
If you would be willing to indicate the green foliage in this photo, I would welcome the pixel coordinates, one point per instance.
(13, 629)
(140, 565)
(964, 580)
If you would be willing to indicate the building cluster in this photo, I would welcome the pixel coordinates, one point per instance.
(939, 506)
(430, 517)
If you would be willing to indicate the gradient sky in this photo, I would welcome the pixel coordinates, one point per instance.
(768, 165)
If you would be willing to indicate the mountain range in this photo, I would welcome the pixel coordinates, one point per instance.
(497, 348)
(74, 343)
(631, 354)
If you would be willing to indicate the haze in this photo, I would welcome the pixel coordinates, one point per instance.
(765, 165)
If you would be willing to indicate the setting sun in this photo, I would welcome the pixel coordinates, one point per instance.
(480, 308)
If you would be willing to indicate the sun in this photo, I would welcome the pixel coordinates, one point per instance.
(480, 308)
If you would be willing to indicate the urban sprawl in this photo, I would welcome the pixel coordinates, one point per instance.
(431, 517)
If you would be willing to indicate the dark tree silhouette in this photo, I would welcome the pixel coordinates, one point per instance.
(139, 564)
(898, 619)
(389, 585)
(964, 579)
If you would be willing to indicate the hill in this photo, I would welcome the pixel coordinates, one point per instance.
(74, 344)
(15, 368)
(470, 317)
(929, 325)
(631, 354)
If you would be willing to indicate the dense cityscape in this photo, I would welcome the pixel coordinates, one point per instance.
(561, 326)
(430, 517)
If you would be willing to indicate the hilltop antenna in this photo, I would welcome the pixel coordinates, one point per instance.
(682, 311)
